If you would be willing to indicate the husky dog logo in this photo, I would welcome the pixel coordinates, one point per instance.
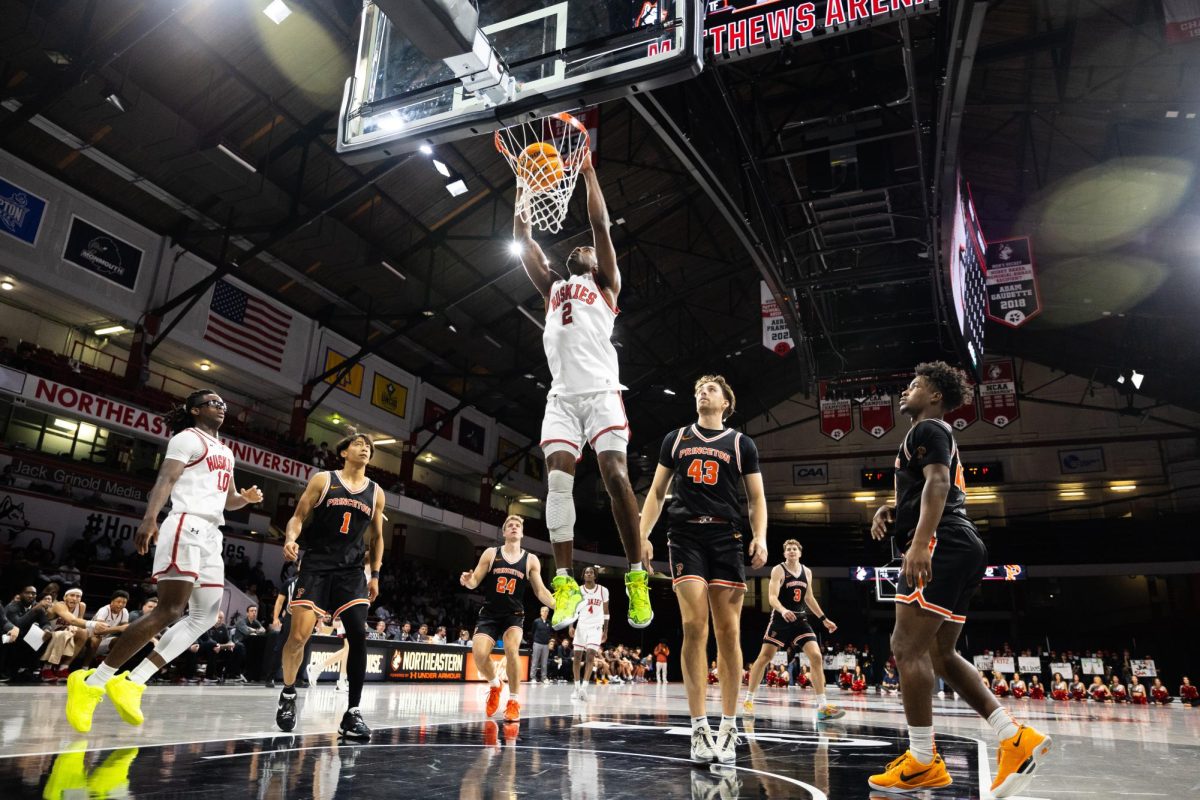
(1005, 252)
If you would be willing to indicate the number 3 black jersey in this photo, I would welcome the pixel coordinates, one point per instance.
(708, 467)
(335, 536)
(792, 589)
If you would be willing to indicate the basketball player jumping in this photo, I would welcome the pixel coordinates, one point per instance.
(503, 573)
(591, 631)
(197, 474)
(944, 561)
(343, 538)
(584, 403)
(791, 593)
(704, 463)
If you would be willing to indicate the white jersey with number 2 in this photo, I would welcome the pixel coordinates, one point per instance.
(578, 338)
(207, 472)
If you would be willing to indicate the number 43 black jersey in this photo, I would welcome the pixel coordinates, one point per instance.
(708, 466)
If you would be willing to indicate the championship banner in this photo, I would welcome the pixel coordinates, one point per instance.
(967, 414)
(837, 417)
(998, 392)
(877, 415)
(1029, 664)
(1004, 664)
(1012, 290)
(776, 336)
(1182, 19)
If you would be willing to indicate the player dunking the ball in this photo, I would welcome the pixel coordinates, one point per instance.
(197, 475)
(704, 463)
(584, 404)
(791, 596)
(502, 575)
(340, 518)
(944, 562)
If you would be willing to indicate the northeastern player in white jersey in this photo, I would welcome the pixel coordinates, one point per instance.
(591, 630)
(791, 597)
(944, 562)
(706, 465)
(584, 404)
(197, 476)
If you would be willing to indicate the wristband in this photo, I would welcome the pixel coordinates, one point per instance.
(604, 617)
(822, 618)
(374, 574)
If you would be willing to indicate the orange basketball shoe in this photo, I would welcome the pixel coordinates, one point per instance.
(906, 774)
(1018, 757)
(512, 711)
(493, 701)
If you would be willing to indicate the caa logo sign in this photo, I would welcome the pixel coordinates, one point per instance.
(816, 472)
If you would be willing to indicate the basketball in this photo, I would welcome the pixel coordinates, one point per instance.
(540, 167)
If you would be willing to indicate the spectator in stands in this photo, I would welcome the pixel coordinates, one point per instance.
(890, 682)
(379, 633)
(66, 634)
(115, 616)
(542, 633)
(249, 625)
(464, 638)
(859, 684)
(104, 550)
(844, 679)
(1078, 690)
(324, 457)
(1137, 691)
(148, 605)
(382, 613)
(1117, 689)
(1018, 687)
(406, 633)
(394, 630)
(661, 654)
(1036, 690)
(999, 684)
(422, 634)
(440, 636)
(1159, 693)
(1098, 691)
(1188, 695)
(1059, 690)
(225, 656)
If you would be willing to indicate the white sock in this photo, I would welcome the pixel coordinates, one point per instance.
(1003, 724)
(494, 681)
(563, 571)
(635, 567)
(699, 722)
(728, 722)
(821, 701)
(143, 672)
(750, 696)
(920, 743)
(351, 710)
(101, 676)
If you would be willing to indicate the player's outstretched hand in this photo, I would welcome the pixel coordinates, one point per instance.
(884, 517)
(252, 495)
(465, 579)
(758, 553)
(586, 166)
(147, 534)
(291, 551)
(830, 626)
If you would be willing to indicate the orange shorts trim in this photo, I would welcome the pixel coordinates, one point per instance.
(917, 598)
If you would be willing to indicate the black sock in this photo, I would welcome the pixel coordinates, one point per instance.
(355, 621)
(289, 688)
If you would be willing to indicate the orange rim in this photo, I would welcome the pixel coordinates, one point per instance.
(562, 116)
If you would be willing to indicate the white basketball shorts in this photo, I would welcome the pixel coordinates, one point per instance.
(189, 548)
(588, 636)
(596, 419)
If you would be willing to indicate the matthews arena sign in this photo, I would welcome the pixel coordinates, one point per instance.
(735, 28)
(115, 414)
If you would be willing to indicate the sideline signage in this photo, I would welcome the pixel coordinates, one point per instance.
(811, 473)
(102, 253)
(1082, 459)
(80, 480)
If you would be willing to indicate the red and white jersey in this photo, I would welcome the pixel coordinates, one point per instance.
(591, 607)
(578, 338)
(208, 470)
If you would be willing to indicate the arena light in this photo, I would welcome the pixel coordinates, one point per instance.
(205, 366)
(426, 150)
(515, 248)
(65, 424)
(1136, 378)
(529, 500)
(391, 122)
(394, 271)
(114, 100)
(1123, 486)
(1072, 494)
(428, 457)
(7, 285)
(110, 330)
(669, 391)
(456, 188)
(243, 162)
(277, 11)
(864, 498)
(441, 167)
(385, 441)
(804, 505)
(979, 497)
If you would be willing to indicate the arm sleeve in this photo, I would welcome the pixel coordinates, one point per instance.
(665, 456)
(749, 456)
(936, 441)
(185, 446)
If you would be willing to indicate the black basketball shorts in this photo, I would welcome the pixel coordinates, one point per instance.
(959, 561)
(781, 633)
(329, 591)
(493, 625)
(712, 553)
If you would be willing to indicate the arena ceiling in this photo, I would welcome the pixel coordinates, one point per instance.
(818, 161)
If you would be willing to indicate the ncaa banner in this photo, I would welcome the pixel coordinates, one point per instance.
(837, 417)
(1182, 19)
(967, 414)
(877, 415)
(21, 212)
(998, 392)
(1012, 290)
(776, 336)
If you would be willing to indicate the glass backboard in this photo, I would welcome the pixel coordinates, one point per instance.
(561, 55)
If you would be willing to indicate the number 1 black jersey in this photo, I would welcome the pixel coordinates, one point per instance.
(709, 466)
(335, 536)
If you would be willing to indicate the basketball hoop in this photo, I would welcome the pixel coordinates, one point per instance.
(545, 156)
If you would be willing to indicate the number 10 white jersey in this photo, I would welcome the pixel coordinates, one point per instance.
(207, 473)
(578, 338)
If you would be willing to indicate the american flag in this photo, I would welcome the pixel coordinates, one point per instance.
(246, 325)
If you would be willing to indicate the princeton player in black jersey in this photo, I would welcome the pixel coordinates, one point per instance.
(502, 575)
(707, 464)
(944, 561)
(339, 520)
(791, 596)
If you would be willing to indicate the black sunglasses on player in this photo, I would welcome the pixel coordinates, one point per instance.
(214, 403)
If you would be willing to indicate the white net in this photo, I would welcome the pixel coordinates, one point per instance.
(545, 156)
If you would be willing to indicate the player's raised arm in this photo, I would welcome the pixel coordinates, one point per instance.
(316, 487)
(472, 579)
(534, 567)
(536, 265)
(606, 254)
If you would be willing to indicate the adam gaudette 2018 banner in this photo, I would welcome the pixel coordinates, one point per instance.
(1012, 290)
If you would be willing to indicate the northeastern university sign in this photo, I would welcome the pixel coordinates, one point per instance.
(734, 28)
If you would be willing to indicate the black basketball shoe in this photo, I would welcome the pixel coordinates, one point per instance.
(285, 716)
(353, 727)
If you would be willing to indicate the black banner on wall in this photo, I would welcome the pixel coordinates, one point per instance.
(102, 253)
